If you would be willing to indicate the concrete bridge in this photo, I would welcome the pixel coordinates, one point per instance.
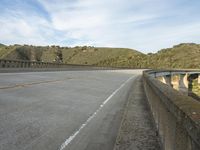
(176, 115)
(59, 106)
(181, 80)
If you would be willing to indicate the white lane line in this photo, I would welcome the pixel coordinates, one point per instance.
(67, 141)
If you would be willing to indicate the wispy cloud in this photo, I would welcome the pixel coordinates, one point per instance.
(144, 25)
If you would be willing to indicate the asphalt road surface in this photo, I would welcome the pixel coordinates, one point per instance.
(67, 110)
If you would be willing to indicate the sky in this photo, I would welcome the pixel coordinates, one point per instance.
(144, 25)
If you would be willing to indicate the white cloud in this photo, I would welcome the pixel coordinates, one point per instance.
(20, 28)
(144, 25)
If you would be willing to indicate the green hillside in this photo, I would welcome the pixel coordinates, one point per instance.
(185, 55)
(180, 56)
(118, 57)
(2, 45)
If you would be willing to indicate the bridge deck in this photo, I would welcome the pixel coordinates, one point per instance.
(76, 110)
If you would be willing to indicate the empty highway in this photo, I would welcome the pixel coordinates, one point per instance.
(76, 110)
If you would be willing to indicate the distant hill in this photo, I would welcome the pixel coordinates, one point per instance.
(119, 57)
(186, 55)
(99, 56)
(2, 45)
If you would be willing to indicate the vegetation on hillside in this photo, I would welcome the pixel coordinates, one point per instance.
(2, 45)
(185, 55)
(116, 57)
(180, 56)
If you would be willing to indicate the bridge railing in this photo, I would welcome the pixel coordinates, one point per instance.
(6, 63)
(177, 117)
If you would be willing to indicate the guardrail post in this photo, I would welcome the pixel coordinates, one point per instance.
(33, 64)
(42, 65)
(23, 64)
(1, 63)
(38, 65)
(4, 63)
(12, 64)
(26, 64)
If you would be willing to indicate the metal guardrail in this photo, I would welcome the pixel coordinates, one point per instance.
(177, 117)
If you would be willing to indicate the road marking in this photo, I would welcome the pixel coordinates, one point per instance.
(32, 83)
(68, 140)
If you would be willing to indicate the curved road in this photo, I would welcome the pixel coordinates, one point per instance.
(76, 110)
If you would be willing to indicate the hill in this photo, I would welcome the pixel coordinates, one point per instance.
(184, 55)
(119, 57)
(99, 56)
(2, 45)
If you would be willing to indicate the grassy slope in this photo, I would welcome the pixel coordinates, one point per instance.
(2, 45)
(48, 55)
(100, 56)
(77, 55)
(5, 51)
(180, 56)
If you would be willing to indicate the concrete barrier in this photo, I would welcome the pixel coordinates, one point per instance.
(177, 116)
(22, 65)
(5, 63)
(29, 66)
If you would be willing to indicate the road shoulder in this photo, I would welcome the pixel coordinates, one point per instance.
(137, 129)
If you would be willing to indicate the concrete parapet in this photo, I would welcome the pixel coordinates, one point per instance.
(29, 66)
(176, 116)
(4, 63)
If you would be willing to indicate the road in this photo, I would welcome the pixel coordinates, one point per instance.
(75, 110)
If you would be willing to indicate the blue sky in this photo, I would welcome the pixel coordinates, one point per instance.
(145, 25)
